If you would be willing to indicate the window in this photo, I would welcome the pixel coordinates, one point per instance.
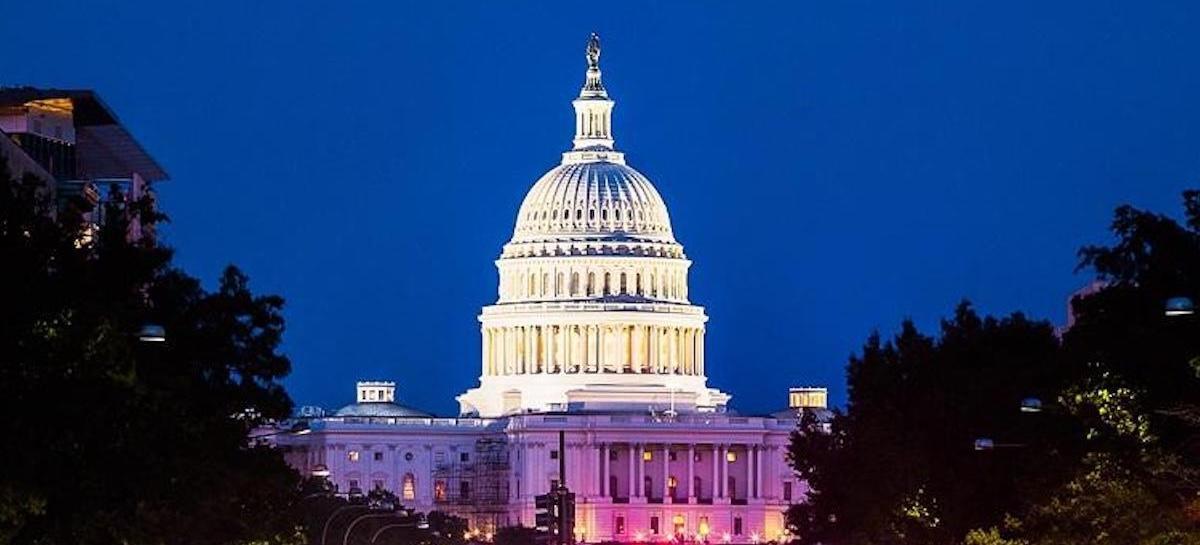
(647, 455)
(377, 484)
(672, 486)
(464, 457)
(731, 456)
(612, 455)
(787, 491)
(464, 489)
(439, 490)
(696, 486)
(647, 486)
(377, 456)
(554, 454)
(654, 525)
(672, 455)
(612, 486)
(678, 524)
(620, 524)
(703, 529)
(696, 456)
(737, 526)
(353, 484)
(408, 487)
(731, 487)
(408, 456)
(352, 455)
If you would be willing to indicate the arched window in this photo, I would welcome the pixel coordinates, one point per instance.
(624, 284)
(408, 487)
(592, 215)
(672, 487)
(696, 488)
(532, 285)
(558, 285)
(604, 215)
(574, 283)
(612, 486)
(579, 214)
(618, 214)
(554, 215)
(607, 283)
(731, 487)
(545, 284)
(647, 486)
(653, 286)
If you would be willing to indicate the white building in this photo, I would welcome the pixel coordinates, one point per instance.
(593, 333)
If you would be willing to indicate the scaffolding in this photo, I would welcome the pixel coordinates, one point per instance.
(476, 487)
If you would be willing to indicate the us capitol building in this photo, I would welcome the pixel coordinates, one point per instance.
(593, 333)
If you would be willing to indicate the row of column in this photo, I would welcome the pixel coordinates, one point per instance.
(665, 284)
(719, 466)
(521, 350)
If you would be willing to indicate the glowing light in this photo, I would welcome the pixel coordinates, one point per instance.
(754, 537)
(731, 456)
(648, 455)
(639, 537)
(726, 537)
(703, 529)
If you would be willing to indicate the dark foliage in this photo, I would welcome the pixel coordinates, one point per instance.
(898, 465)
(1112, 458)
(112, 440)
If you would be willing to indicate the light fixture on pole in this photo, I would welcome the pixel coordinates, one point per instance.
(1180, 306)
(152, 333)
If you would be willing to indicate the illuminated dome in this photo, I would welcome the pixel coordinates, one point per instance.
(593, 199)
(592, 309)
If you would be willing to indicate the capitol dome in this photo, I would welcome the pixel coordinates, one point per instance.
(592, 309)
(593, 199)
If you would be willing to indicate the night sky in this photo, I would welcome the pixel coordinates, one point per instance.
(830, 167)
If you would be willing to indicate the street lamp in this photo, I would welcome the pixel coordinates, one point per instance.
(152, 333)
(1180, 306)
(1031, 405)
(987, 444)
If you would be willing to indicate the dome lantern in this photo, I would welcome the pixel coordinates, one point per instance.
(593, 108)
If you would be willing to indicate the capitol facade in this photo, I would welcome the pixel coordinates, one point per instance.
(593, 333)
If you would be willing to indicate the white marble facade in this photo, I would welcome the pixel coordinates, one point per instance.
(592, 333)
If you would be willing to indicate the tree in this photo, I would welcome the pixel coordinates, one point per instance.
(1113, 458)
(110, 439)
(898, 465)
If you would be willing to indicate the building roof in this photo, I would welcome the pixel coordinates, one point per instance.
(106, 148)
(380, 409)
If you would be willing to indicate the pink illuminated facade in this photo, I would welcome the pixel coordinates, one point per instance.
(593, 334)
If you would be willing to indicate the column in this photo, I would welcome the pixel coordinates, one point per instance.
(640, 474)
(484, 355)
(652, 352)
(717, 472)
(700, 352)
(564, 358)
(666, 471)
(691, 473)
(758, 471)
(718, 463)
(636, 356)
(603, 488)
(632, 473)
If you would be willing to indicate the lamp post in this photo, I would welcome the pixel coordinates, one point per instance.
(1179, 306)
(152, 333)
(987, 444)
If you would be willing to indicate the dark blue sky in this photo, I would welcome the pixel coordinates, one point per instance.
(831, 167)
